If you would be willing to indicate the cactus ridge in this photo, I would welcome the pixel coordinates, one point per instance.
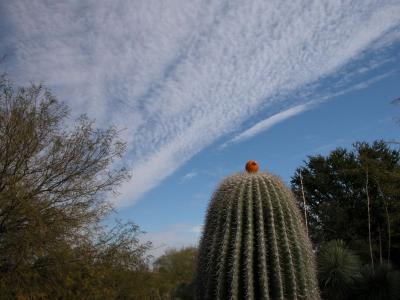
(254, 244)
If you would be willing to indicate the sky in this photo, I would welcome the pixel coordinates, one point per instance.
(197, 88)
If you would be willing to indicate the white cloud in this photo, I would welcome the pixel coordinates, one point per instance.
(197, 229)
(328, 147)
(175, 236)
(295, 110)
(180, 74)
(188, 176)
(270, 122)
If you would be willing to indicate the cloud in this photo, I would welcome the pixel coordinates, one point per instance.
(269, 122)
(197, 229)
(175, 236)
(179, 75)
(188, 176)
(328, 147)
(295, 110)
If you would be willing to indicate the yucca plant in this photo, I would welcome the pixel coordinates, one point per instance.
(254, 244)
(338, 269)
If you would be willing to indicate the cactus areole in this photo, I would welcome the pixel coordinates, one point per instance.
(254, 244)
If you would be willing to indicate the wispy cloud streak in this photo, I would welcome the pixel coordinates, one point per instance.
(180, 74)
(271, 121)
(188, 176)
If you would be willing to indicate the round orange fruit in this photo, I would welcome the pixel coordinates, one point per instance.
(252, 166)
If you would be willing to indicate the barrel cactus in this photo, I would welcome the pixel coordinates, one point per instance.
(254, 244)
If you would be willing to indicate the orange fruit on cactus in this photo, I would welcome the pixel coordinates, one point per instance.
(252, 166)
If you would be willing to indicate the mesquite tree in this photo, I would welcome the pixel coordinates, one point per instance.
(52, 184)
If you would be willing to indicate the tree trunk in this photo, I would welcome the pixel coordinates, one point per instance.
(388, 230)
(387, 219)
(304, 202)
(369, 219)
(380, 246)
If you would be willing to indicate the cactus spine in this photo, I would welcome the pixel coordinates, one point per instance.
(254, 244)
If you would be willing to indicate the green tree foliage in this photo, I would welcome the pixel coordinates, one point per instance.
(379, 283)
(337, 189)
(53, 185)
(175, 272)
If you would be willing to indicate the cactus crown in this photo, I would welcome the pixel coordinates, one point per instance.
(254, 244)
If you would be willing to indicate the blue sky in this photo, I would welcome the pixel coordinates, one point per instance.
(199, 87)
